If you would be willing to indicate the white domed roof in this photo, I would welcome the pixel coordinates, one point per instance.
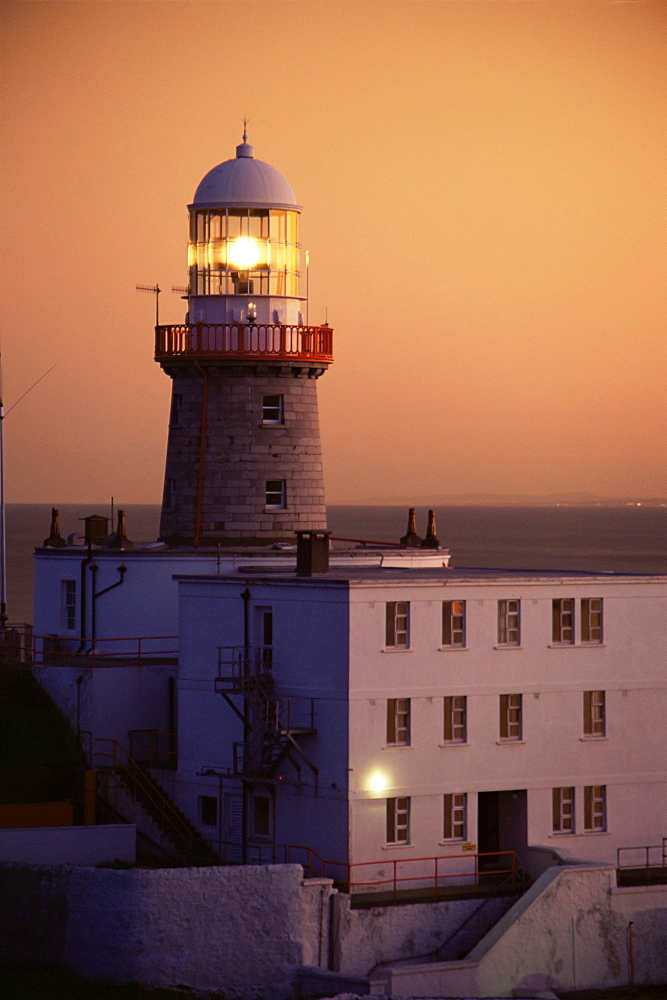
(244, 181)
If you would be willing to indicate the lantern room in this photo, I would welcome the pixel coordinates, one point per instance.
(244, 245)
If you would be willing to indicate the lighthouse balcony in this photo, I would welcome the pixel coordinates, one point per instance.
(244, 342)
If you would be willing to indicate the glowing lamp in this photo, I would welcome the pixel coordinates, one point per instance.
(243, 253)
(378, 782)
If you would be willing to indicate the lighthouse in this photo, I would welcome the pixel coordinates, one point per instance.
(244, 462)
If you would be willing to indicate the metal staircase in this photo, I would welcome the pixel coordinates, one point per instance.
(273, 725)
(115, 763)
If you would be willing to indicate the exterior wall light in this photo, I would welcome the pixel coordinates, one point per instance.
(378, 782)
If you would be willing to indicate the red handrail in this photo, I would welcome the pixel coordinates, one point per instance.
(57, 650)
(315, 864)
(241, 341)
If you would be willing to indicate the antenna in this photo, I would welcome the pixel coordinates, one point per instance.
(154, 290)
(181, 290)
(307, 284)
(3, 528)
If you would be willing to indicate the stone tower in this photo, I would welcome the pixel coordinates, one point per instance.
(244, 464)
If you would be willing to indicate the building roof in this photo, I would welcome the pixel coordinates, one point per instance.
(244, 182)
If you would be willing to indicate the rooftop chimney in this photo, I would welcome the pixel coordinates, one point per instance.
(55, 540)
(312, 552)
(411, 537)
(431, 540)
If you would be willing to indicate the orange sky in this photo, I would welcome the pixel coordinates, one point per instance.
(484, 200)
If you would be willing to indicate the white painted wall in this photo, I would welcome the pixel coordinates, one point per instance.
(244, 931)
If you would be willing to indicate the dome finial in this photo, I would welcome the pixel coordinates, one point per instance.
(245, 149)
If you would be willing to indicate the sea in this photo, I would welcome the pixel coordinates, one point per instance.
(605, 539)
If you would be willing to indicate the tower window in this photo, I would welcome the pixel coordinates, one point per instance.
(276, 493)
(169, 494)
(175, 415)
(273, 410)
(260, 816)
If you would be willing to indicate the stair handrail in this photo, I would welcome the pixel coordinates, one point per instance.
(168, 817)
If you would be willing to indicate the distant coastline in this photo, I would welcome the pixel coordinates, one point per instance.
(509, 500)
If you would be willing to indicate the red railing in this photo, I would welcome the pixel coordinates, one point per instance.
(244, 341)
(57, 650)
(424, 873)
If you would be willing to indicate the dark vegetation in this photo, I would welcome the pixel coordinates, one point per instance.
(40, 759)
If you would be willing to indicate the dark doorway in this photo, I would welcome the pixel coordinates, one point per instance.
(502, 825)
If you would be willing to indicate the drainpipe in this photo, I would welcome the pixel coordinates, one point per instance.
(202, 453)
(122, 569)
(245, 597)
(84, 565)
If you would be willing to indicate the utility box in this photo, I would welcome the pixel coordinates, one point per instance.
(97, 529)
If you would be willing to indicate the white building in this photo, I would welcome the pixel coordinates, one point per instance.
(386, 708)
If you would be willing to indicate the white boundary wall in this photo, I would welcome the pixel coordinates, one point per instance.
(570, 931)
(244, 930)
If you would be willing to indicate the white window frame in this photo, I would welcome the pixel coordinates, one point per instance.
(397, 625)
(454, 624)
(276, 494)
(591, 620)
(455, 723)
(595, 721)
(273, 414)
(562, 621)
(509, 621)
(398, 820)
(398, 722)
(562, 806)
(511, 718)
(454, 816)
(595, 808)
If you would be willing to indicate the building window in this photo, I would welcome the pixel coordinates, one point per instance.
(264, 637)
(208, 810)
(455, 719)
(398, 722)
(591, 619)
(562, 620)
(595, 808)
(398, 821)
(563, 810)
(69, 604)
(276, 493)
(169, 494)
(454, 816)
(594, 713)
(398, 624)
(510, 717)
(175, 414)
(508, 623)
(260, 816)
(453, 623)
(273, 410)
